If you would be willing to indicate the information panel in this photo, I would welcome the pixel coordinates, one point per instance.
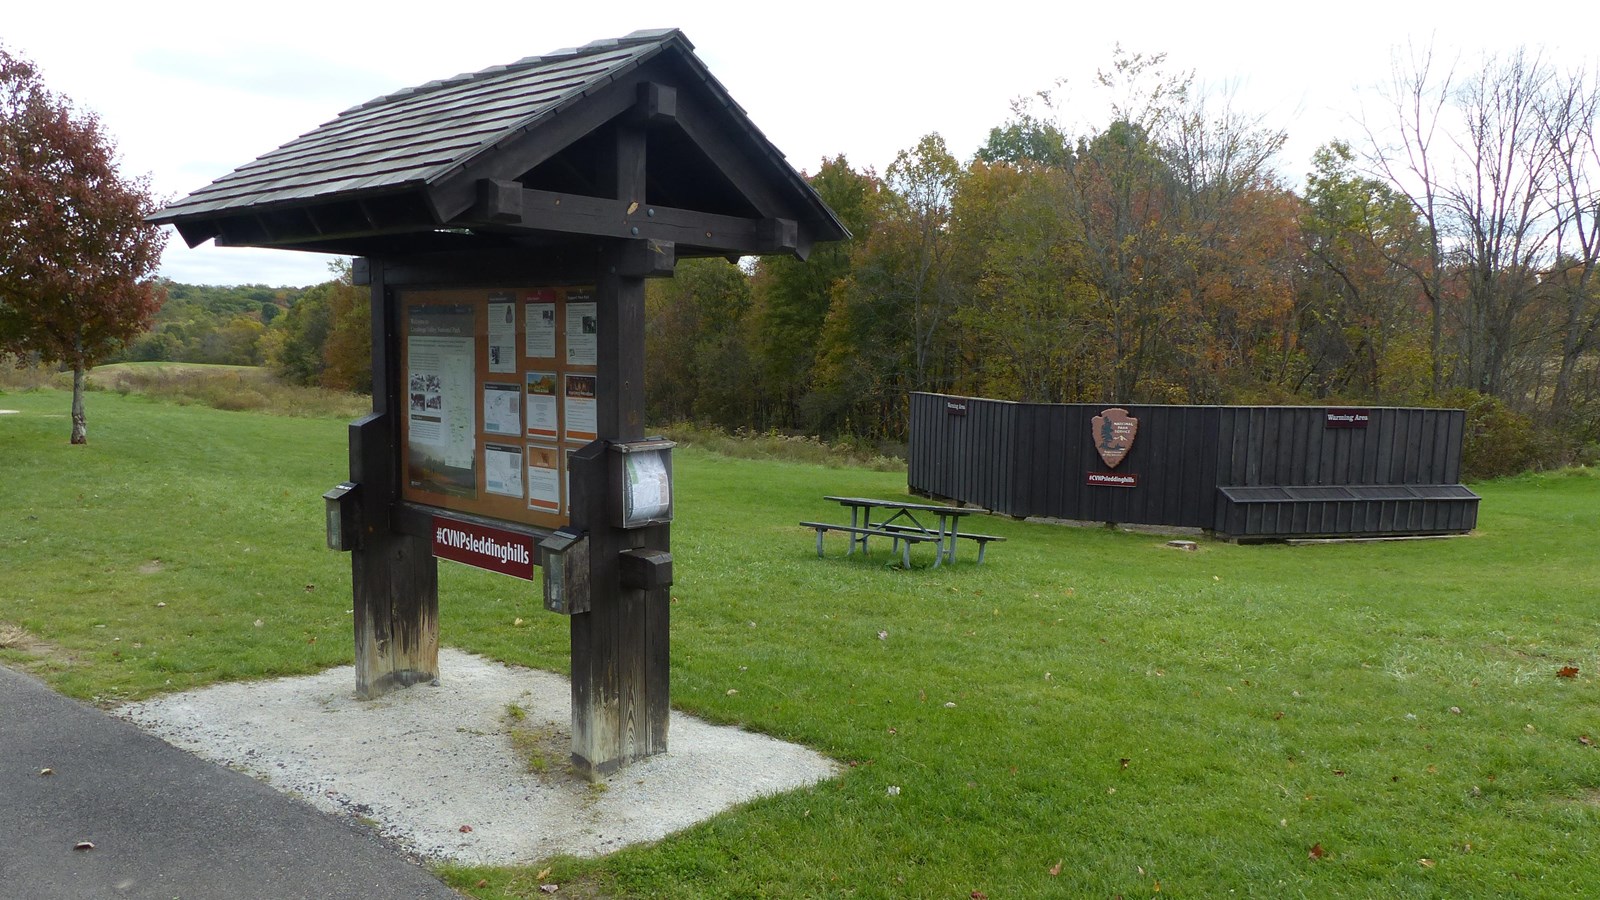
(501, 386)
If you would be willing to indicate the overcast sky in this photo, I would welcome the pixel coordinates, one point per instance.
(191, 91)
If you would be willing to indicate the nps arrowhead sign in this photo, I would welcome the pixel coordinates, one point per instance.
(1113, 434)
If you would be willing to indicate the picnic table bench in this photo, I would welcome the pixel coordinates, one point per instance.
(903, 528)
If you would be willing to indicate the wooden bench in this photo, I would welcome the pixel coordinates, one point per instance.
(982, 540)
(859, 535)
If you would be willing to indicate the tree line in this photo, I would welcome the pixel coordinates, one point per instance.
(1446, 257)
(317, 336)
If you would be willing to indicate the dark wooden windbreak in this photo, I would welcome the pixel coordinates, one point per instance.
(1241, 471)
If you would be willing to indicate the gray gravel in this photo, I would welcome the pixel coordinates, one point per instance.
(434, 769)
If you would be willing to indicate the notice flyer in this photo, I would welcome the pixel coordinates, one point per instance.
(539, 336)
(583, 330)
(502, 470)
(441, 417)
(582, 413)
(543, 405)
(502, 408)
(544, 479)
(502, 333)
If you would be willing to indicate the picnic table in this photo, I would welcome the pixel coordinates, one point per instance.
(905, 524)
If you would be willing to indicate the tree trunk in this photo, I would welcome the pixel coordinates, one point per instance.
(80, 430)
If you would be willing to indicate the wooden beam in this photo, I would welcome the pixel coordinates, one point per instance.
(630, 219)
(647, 259)
(709, 129)
(620, 647)
(658, 102)
(575, 264)
(498, 201)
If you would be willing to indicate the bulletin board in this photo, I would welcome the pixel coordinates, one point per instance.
(500, 386)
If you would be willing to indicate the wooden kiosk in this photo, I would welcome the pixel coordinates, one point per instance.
(506, 221)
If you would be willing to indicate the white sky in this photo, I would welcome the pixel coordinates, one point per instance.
(192, 90)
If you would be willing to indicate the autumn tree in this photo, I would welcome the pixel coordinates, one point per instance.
(697, 348)
(885, 333)
(791, 298)
(295, 343)
(76, 257)
(347, 349)
(1359, 314)
(1569, 117)
(1021, 333)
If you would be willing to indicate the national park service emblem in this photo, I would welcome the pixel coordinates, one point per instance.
(1114, 431)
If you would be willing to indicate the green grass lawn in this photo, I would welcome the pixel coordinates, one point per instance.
(1087, 714)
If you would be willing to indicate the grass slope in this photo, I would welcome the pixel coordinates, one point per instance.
(1147, 719)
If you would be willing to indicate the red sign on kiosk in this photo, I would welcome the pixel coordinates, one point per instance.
(485, 547)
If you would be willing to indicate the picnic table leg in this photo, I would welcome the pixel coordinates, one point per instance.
(819, 543)
(906, 553)
(982, 546)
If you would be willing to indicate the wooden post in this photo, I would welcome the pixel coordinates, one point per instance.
(394, 577)
(620, 690)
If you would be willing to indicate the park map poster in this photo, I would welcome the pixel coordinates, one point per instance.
(441, 409)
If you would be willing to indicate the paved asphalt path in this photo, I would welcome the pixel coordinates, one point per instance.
(164, 823)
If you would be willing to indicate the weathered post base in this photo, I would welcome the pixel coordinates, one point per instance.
(397, 613)
(395, 576)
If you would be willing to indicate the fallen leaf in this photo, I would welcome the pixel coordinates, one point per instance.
(84, 845)
(48, 771)
(894, 790)
(482, 883)
(516, 623)
(1583, 739)
(465, 829)
(1567, 672)
(978, 895)
(883, 635)
(1277, 715)
(258, 623)
(1456, 710)
(1140, 868)
(732, 691)
(310, 588)
(1425, 863)
(549, 888)
(1124, 762)
(1056, 869)
(950, 704)
(543, 874)
(161, 605)
(893, 731)
(1339, 772)
(1316, 852)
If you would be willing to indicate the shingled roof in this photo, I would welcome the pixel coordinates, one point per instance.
(411, 162)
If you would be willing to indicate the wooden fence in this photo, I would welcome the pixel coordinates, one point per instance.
(1245, 472)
